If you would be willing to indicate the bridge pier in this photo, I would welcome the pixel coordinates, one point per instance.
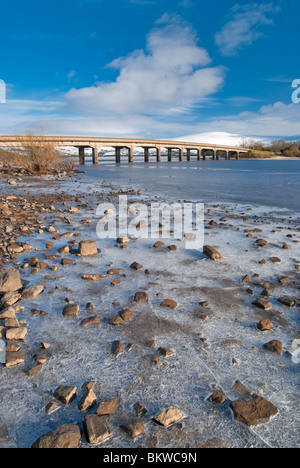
(81, 155)
(158, 153)
(169, 154)
(130, 155)
(180, 154)
(118, 154)
(95, 154)
(188, 154)
(146, 154)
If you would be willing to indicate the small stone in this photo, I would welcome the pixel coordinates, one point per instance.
(96, 428)
(246, 279)
(51, 407)
(265, 325)
(107, 407)
(274, 346)
(211, 253)
(126, 314)
(116, 321)
(14, 358)
(136, 266)
(134, 429)
(172, 248)
(169, 303)
(168, 416)
(141, 296)
(33, 370)
(117, 347)
(87, 322)
(286, 301)
(262, 304)
(217, 398)
(88, 248)
(65, 436)
(71, 310)
(165, 351)
(9, 299)
(140, 409)
(33, 291)
(123, 240)
(253, 411)
(158, 244)
(65, 394)
(88, 401)
(92, 277)
(18, 333)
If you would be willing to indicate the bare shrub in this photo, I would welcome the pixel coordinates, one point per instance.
(37, 154)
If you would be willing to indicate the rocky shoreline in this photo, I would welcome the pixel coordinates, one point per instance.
(130, 343)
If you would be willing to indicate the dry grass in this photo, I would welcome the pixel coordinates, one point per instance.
(37, 155)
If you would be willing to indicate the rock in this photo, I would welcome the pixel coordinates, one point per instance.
(140, 409)
(136, 266)
(211, 252)
(217, 398)
(113, 271)
(117, 347)
(33, 291)
(253, 411)
(172, 248)
(274, 346)
(11, 182)
(92, 277)
(286, 301)
(246, 279)
(10, 280)
(116, 321)
(284, 280)
(51, 407)
(265, 325)
(261, 242)
(14, 358)
(9, 299)
(123, 240)
(88, 248)
(18, 333)
(96, 428)
(158, 244)
(134, 429)
(12, 346)
(88, 401)
(141, 296)
(126, 314)
(65, 436)
(66, 261)
(39, 312)
(262, 304)
(168, 416)
(33, 370)
(71, 310)
(108, 406)
(275, 260)
(65, 394)
(169, 303)
(89, 321)
(285, 246)
(165, 351)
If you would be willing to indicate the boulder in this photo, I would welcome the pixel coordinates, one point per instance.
(33, 291)
(71, 310)
(14, 358)
(253, 411)
(65, 436)
(88, 248)
(96, 428)
(10, 280)
(265, 325)
(141, 296)
(88, 401)
(108, 406)
(169, 303)
(134, 429)
(274, 346)
(65, 394)
(211, 252)
(168, 416)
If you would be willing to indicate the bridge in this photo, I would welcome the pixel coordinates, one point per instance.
(174, 149)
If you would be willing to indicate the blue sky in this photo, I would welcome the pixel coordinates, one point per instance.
(208, 71)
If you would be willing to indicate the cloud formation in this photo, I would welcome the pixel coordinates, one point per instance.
(170, 76)
(244, 27)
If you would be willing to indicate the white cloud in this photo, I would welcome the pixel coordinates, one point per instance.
(171, 75)
(243, 28)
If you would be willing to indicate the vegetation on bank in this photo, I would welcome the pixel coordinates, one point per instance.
(34, 157)
(288, 149)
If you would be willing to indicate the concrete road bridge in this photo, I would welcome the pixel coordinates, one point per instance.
(180, 150)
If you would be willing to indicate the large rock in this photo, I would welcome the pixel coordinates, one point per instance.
(88, 400)
(65, 394)
(96, 428)
(10, 280)
(71, 310)
(141, 296)
(9, 299)
(33, 291)
(16, 333)
(211, 253)
(253, 411)
(14, 358)
(168, 416)
(88, 248)
(65, 436)
(108, 406)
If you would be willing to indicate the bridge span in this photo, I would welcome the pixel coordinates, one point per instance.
(180, 150)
